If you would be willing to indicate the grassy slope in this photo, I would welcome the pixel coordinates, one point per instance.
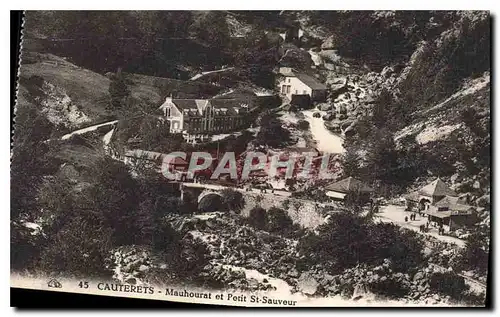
(88, 90)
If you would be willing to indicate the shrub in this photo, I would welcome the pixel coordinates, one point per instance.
(79, 249)
(278, 220)
(303, 125)
(233, 199)
(390, 287)
(403, 247)
(448, 283)
(475, 255)
(257, 218)
(188, 258)
(349, 239)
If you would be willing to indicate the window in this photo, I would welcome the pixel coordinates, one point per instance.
(288, 79)
(288, 89)
(283, 89)
(296, 92)
(304, 92)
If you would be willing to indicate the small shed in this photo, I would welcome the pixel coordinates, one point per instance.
(340, 189)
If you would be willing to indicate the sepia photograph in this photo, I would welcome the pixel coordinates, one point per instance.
(254, 158)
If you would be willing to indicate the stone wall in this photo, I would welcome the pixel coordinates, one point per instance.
(305, 213)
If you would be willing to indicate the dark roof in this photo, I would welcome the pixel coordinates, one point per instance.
(437, 188)
(225, 103)
(233, 106)
(349, 184)
(185, 103)
(453, 203)
(312, 82)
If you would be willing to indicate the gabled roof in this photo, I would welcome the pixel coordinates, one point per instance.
(349, 184)
(450, 201)
(185, 103)
(437, 188)
(233, 106)
(454, 203)
(312, 82)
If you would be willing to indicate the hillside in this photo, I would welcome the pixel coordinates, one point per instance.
(408, 101)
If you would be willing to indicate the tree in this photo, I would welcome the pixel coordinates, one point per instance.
(303, 125)
(353, 239)
(351, 163)
(257, 218)
(475, 254)
(257, 57)
(233, 199)
(211, 27)
(118, 90)
(382, 158)
(272, 133)
(31, 160)
(380, 115)
(115, 196)
(79, 249)
(278, 221)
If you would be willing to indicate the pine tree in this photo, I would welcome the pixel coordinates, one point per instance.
(118, 90)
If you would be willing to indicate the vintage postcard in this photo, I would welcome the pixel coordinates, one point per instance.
(254, 158)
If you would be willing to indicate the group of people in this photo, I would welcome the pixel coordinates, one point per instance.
(424, 228)
(413, 217)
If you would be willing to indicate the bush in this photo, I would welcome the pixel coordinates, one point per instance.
(79, 249)
(475, 255)
(403, 247)
(233, 199)
(303, 125)
(352, 240)
(390, 287)
(257, 218)
(188, 258)
(449, 284)
(279, 221)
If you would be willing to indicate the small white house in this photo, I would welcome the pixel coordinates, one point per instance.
(296, 83)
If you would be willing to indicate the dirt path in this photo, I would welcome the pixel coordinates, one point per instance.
(195, 77)
(88, 129)
(396, 214)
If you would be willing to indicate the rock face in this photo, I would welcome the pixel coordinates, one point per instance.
(130, 263)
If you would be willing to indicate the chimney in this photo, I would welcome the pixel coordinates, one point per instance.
(169, 99)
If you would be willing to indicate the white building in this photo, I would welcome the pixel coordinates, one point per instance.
(197, 119)
(296, 83)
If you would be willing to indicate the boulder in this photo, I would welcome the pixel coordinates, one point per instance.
(293, 273)
(361, 291)
(325, 107)
(419, 276)
(307, 284)
(131, 280)
(143, 268)
(328, 43)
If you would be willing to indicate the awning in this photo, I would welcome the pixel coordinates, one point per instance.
(335, 195)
